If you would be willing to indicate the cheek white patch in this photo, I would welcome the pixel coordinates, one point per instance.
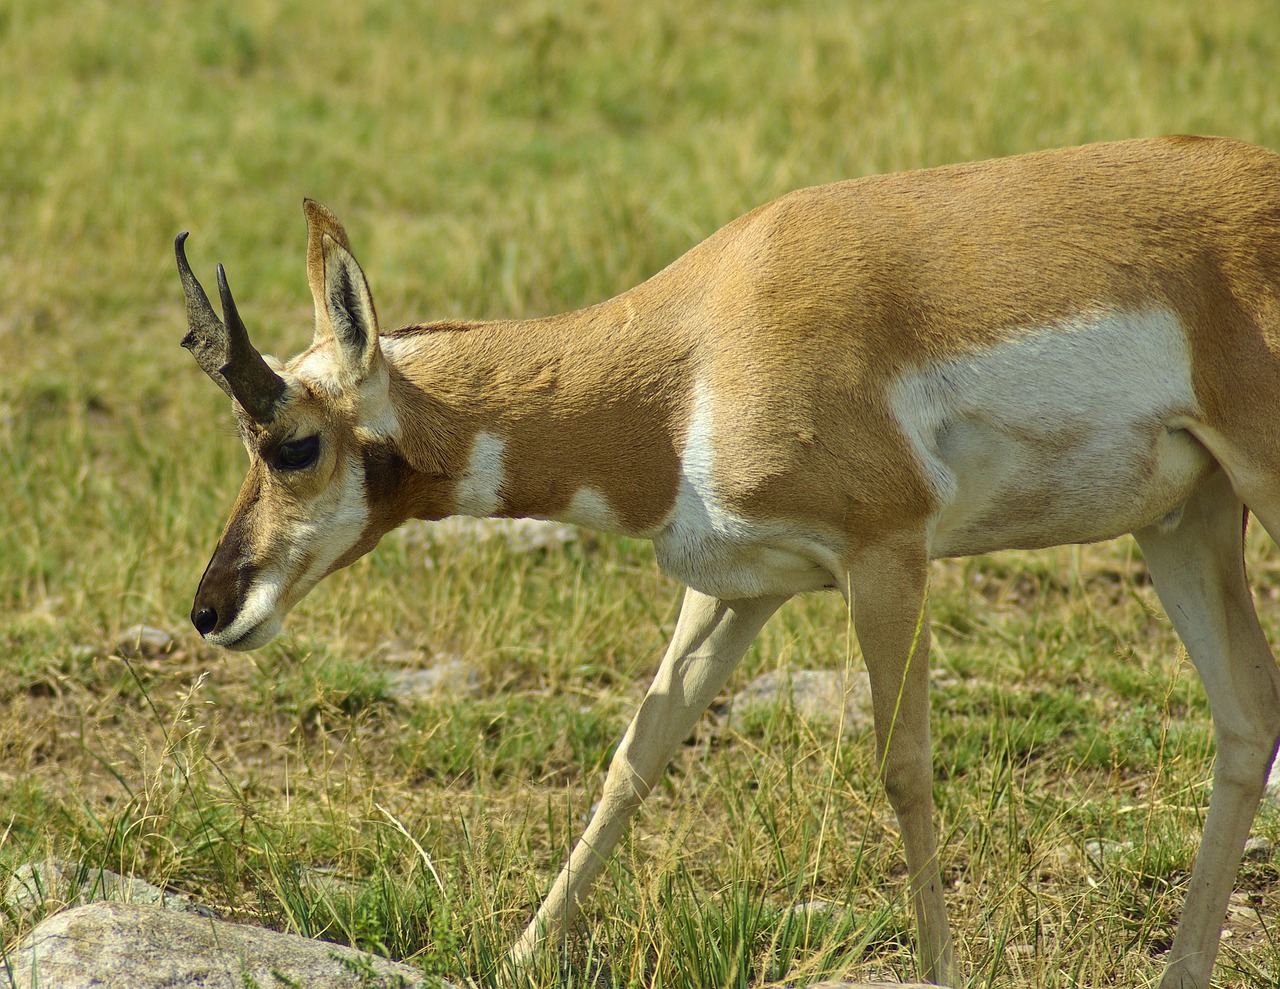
(331, 526)
(478, 488)
(336, 524)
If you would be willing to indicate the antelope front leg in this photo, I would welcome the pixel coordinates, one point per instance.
(889, 587)
(709, 640)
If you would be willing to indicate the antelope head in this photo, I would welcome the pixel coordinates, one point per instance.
(312, 427)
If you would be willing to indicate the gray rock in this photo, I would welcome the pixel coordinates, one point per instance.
(1258, 849)
(142, 640)
(54, 884)
(818, 696)
(519, 534)
(447, 677)
(123, 946)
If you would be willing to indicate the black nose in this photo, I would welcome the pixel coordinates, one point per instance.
(205, 620)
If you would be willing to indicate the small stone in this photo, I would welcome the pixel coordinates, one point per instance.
(144, 641)
(817, 696)
(867, 985)
(449, 677)
(1241, 917)
(531, 534)
(328, 884)
(1272, 792)
(814, 908)
(81, 654)
(520, 534)
(1258, 849)
(1100, 850)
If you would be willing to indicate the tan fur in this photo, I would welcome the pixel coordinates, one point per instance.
(842, 287)
(745, 408)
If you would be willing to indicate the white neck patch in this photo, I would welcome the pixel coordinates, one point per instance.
(478, 489)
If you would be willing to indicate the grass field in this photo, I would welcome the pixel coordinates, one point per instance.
(518, 158)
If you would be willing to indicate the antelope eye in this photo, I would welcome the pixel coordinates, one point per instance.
(297, 454)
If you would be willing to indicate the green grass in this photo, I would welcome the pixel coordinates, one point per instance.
(515, 159)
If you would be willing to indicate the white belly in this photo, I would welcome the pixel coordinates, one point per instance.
(1062, 435)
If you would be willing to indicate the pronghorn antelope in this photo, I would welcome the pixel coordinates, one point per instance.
(829, 392)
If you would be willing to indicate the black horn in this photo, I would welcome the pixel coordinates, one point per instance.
(206, 336)
(256, 386)
(223, 351)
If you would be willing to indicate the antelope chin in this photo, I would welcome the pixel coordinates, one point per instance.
(254, 638)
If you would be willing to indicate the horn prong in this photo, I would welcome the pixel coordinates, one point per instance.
(223, 350)
(256, 387)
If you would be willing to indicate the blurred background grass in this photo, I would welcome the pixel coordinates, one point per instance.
(519, 158)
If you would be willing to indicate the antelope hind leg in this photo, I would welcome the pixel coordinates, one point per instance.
(1197, 567)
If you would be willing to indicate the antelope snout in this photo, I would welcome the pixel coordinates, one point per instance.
(237, 613)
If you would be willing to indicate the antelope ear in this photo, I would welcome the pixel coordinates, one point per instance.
(343, 303)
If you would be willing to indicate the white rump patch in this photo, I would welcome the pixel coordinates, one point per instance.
(479, 486)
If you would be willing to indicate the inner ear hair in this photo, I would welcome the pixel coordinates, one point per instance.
(347, 308)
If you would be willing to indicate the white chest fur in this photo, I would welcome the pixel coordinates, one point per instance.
(709, 548)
